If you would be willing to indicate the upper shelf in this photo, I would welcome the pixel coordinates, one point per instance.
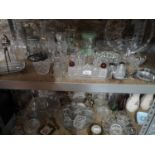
(28, 79)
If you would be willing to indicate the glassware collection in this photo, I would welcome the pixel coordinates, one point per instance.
(83, 113)
(67, 50)
(80, 54)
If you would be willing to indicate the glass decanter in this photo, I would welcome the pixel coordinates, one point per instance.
(87, 52)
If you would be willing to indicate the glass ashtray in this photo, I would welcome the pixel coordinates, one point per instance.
(12, 67)
(116, 129)
(145, 74)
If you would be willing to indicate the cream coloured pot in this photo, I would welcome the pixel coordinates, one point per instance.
(133, 102)
(146, 101)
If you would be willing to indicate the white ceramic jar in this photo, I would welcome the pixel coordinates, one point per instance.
(133, 102)
(146, 101)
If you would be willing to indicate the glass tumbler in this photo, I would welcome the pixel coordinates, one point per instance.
(57, 68)
(42, 67)
(36, 49)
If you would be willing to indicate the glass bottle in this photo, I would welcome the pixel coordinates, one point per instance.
(70, 38)
(87, 51)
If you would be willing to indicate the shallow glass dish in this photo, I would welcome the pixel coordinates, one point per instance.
(145, 74)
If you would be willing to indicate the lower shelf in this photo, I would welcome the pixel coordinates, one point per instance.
(57, 123)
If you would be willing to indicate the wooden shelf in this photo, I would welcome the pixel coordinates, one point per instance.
(29, 79)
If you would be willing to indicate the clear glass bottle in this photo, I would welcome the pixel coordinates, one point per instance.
(71, 40)
(120, 72)
(87, 51)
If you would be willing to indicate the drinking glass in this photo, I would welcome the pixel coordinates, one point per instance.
(19, 48)
(51, 44)
(36, 49)
(120, 72)
(58, 68)
(42, 67)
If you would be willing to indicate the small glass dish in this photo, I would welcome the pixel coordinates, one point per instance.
(116, 129)
(145, 74)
